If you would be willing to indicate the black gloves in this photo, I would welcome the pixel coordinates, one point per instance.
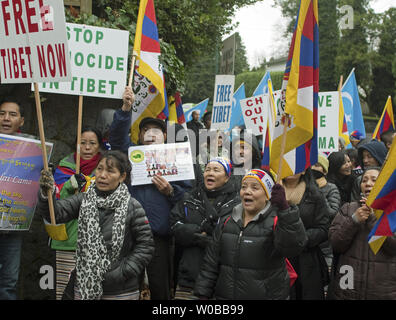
(46, 181)
(278, 197)
(78, 181)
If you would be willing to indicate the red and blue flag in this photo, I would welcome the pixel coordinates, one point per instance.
(386, 122)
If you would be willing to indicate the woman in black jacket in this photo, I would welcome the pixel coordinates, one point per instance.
(310, 265)
(194, 218)
(246, 259)
(114, 243)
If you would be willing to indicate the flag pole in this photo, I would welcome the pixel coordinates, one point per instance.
(353, 69)
(283, 146)
(79, 125)
(132, 72)
(44, 149)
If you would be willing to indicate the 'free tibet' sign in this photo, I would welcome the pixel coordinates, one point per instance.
(33, 43)
(99, 62)
(222, 102)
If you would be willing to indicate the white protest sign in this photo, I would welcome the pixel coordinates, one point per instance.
(222, 102)
(255, 113)
(33, 41)
(328, 108)
(173, 161)
(99, 62)
(328, 128)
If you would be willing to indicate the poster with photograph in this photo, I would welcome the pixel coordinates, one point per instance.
(172, 161)
(21, 162)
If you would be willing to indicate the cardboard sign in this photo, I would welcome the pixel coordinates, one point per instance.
(172, 161)
(33, 41)
(99, 62)
(222, 102)
(21, 162)
(328, 128)
(255, 113)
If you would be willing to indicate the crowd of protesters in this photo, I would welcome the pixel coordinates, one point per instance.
(231, 233)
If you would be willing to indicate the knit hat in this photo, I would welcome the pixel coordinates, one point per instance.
(322, 160)
(356, 135)
(226, 163)
(264, 178)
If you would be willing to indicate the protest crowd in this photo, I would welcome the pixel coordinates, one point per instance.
(156, 210)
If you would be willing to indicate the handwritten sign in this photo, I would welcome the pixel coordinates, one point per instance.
(255, 113)
(222, 102)
(99, 62)
(33, 42)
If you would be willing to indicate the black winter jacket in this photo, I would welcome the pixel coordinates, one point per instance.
(249, 262)
(310, 265)
(126, 273)
(199, 212)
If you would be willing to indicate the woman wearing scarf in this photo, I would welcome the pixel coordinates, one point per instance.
(302, 191)
(340, 174)
(194, 218)
(246, 259)
(67, 184)
(114, 243)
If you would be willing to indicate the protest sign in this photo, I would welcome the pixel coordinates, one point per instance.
(328, 108)
(33, 42)
(222, 102)
(20, 165)
(99, 62)
(172, 161)
(255, 113)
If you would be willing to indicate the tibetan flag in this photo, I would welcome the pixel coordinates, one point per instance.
(382, 197)
(262, 87)
(386, 122)
(269, 132)
(236, 113)
(351, 103)
(149, 84)
(300, 89)
(176, 113)
(342, 125)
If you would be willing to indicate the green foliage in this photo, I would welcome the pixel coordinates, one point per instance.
(353, 46)
(188, 29)
(384, 79)
(253, 78)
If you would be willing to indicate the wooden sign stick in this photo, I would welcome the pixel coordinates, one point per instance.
(79, 125)
(132, 71)
(42, 139)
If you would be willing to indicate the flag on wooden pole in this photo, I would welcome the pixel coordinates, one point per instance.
(300, 87)
(149, 83)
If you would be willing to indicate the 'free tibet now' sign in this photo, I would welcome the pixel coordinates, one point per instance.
(99, 62)
(33, 43)
(222, 102)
